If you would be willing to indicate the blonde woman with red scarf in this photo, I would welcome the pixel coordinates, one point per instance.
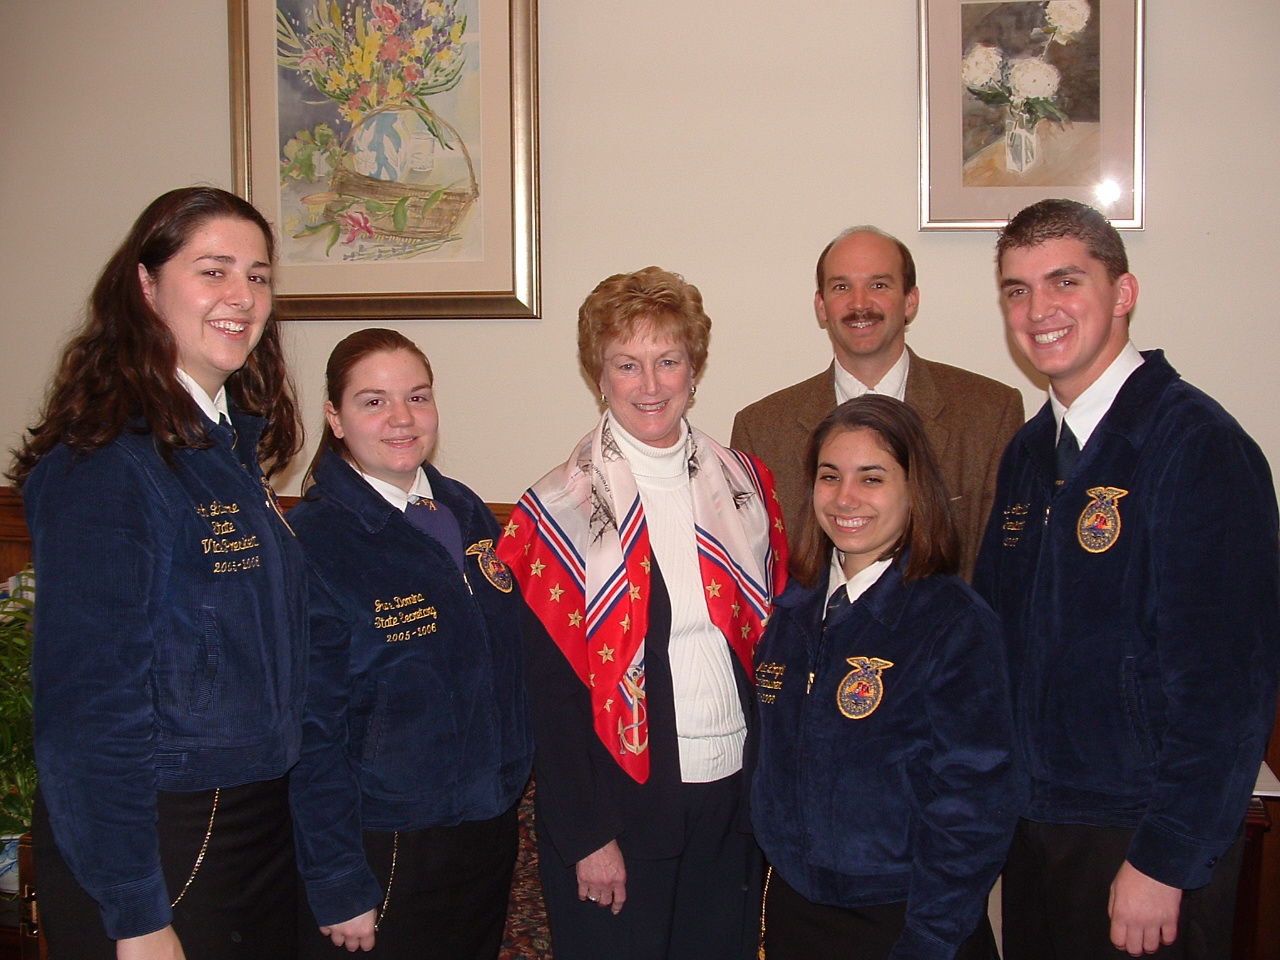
(649, 562)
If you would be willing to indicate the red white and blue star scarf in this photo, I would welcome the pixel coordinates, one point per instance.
(579, 547)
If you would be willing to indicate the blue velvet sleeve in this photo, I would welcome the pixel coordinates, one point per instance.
(1216, 614)
(324, 791)
(99, 557)
(965, 794)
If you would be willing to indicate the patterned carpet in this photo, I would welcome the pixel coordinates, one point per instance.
(526, 936)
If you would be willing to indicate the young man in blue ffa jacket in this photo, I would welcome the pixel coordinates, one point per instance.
(1132, 555)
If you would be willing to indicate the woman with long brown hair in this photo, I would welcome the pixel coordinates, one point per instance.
(170, 643)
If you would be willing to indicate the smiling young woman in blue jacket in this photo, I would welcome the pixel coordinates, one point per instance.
(170, 623)
(416, 740)
(883, 793)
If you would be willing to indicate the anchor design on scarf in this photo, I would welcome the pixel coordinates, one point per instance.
(633, 737)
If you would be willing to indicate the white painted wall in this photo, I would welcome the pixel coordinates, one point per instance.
(727, 141)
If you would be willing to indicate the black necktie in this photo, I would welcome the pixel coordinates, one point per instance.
(1067, 451)
(438, 522)
(837, 602)
(224, 432)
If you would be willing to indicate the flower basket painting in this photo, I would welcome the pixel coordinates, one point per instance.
(393, 145)
(1024, 99)
(374, 173)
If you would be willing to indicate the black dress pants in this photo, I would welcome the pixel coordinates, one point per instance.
(1057, 886)
(701, 905)
(799, 929)
(241, 903)
(448, 897)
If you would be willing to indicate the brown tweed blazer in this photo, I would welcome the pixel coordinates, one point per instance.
(969, 420)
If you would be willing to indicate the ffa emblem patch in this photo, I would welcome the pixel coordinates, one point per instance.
(494, 570)
(1099, 525)
(860, 691)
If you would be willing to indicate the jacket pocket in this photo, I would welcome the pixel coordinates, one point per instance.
(377, 720)
(204, 677)
(1135, 708)
(425, 738)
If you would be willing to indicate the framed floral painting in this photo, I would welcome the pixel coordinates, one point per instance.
(1026, 99)
(393, 144)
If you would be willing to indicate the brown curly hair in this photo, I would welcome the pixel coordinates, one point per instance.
(654, 300)
(1057, 219)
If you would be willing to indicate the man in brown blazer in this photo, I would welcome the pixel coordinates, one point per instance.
(866, 297)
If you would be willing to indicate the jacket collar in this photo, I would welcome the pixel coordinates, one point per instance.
(1130, 413)
(338, 482)
(814, 399)
(1129, 417)
(242, 439)
(926, 398)
(882, 600)
(922, 390)
(818, 393)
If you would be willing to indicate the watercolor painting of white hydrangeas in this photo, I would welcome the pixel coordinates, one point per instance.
(1009, 64)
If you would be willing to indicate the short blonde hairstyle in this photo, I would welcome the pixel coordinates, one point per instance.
(651, 300)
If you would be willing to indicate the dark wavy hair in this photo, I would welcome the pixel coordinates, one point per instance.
(929, 542)
(337, 376)
(122, 364)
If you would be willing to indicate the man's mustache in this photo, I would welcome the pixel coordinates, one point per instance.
(856, 316)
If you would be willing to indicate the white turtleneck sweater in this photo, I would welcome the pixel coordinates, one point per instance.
(710, 727)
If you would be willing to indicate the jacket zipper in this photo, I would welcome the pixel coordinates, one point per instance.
(817, 658)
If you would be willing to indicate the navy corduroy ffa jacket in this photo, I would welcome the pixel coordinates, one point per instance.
(1141, 608)
(887, 776)
(415, 714)
(170, 646)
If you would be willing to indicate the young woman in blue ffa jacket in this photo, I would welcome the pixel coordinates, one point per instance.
(416, 741)
(170, 646)
(883, 793)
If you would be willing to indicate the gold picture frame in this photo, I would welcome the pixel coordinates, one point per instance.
(390, 206)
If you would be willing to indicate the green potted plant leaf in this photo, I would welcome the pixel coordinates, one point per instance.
(17, 749)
